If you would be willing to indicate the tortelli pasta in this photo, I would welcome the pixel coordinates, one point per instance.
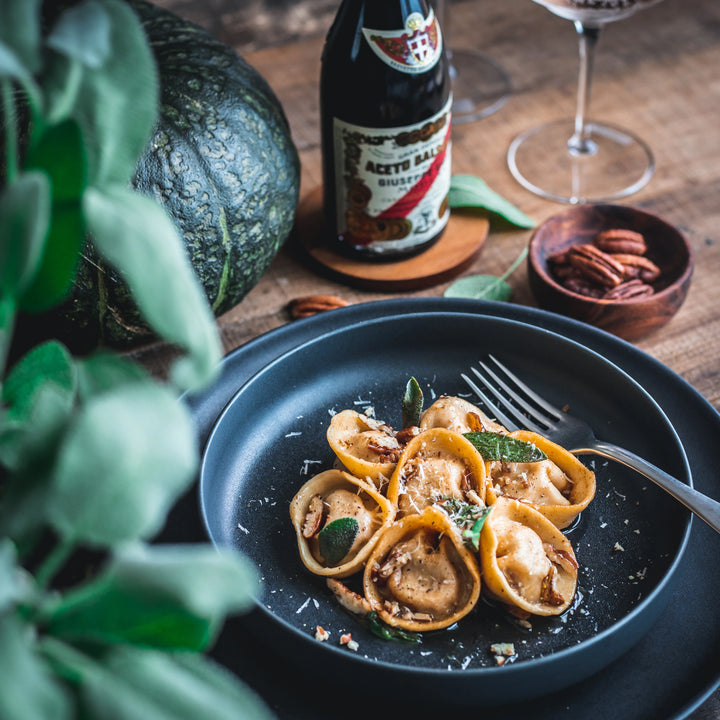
(434, 514)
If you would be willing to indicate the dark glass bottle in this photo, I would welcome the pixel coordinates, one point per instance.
(385, 116)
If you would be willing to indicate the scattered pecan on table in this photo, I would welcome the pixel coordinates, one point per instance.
(308, 305)
(613, 266)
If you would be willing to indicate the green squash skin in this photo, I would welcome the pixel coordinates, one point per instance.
(223, 164)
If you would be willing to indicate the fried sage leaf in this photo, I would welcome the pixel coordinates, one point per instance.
(468, 517)
(495, 446)
(336, 539)
(386, 632)
(412, 404)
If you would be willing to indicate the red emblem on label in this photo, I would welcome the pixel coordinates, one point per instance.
(414, 49)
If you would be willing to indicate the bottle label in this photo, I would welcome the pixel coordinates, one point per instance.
(414, 49)
(392, 184)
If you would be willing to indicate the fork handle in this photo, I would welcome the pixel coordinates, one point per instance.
(703, 506)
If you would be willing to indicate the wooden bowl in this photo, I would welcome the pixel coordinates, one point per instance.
(630, 319)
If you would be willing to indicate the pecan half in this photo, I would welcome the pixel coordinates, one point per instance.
(595, 265)
(628, 290)
(559, 258)
(620, 240)
(583, 287)
(312, 304)
(637, 266)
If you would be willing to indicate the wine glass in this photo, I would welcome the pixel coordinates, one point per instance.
(480, 85)
(577, 161)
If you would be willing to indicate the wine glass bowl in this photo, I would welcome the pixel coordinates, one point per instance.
(481, 85)
(578, 160)
(595, 12)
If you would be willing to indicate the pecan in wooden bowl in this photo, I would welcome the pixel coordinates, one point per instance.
(619, 268)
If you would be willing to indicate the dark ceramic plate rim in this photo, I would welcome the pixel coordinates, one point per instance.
(471, 673)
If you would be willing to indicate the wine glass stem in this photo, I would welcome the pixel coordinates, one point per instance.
(581, 143)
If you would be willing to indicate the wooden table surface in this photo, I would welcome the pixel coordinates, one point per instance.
(657, 73)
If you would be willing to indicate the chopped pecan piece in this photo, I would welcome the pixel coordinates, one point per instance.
(560, 557)
(313, 517)
(405, 435)
(350, 600)
(385, 454)
(395, 560)
(549, 593)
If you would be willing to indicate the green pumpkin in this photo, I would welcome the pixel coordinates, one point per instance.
(223, 164)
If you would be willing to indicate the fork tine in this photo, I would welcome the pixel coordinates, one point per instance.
(555, 412)
(520, 418)
(491, 407)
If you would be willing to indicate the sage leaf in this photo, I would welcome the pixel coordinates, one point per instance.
(48, 362)
(137, 683)
(467, 517)
(59, 151)
(24, 224)
(103, 371)
(471, 535)
(486, 287)
(387, 632)
(27, 687)
(32, 441)
(10, 586)
(56, 271)
(61, 154)
(336, 539)
(28, 450)
(496, 446)
(169, 596)
(412, 404)
(126, 457)
(83, 33)
(471, 191)
(39, 394)
(20, 30)
(11, 66)
(138, 238)
(480, 287)
(106, 96)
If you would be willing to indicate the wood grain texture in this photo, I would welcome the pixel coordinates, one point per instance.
(657, 73)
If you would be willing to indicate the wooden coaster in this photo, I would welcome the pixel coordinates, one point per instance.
(459, 245)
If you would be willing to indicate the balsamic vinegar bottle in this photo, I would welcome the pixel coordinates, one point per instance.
(385, 116)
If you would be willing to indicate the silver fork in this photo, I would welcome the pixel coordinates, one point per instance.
(516, 406)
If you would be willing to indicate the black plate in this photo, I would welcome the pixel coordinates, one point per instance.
(669, 673)
(271, 438)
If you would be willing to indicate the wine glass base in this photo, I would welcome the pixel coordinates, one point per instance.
(617, 163)
(480, 86)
